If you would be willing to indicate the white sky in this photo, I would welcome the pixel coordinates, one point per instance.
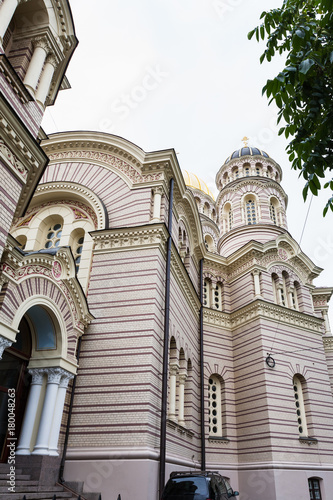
(182, 74)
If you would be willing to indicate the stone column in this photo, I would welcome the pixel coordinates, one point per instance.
(327, 323)
(46, 79)
(59, 408)
(4, 343)
(256, 278)
(7, 11)
(36, 64)
(172, 395)
(157, 204)
(23, 447)
(42, 442)
(182, 380)
(281, 297)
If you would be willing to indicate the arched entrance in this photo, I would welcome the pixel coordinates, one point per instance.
(14, 375)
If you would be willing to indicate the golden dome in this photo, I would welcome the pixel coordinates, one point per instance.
(193, 181)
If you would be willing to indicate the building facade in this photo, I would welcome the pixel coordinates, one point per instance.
(120, 275)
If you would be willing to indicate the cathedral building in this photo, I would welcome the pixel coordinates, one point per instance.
(146, 326)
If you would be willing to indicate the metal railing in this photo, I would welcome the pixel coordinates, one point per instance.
(78, 498)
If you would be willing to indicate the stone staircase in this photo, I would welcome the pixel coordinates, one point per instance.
(33, 490)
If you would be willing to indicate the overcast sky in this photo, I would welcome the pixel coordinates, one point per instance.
(182, 74)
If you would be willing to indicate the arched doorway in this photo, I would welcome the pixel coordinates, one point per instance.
(14, 375)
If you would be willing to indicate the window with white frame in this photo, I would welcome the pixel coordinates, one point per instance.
(299, 403)
(215, 406)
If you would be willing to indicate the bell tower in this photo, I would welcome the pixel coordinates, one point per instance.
(251, 203)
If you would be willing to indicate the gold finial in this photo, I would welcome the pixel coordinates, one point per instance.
(245, 139)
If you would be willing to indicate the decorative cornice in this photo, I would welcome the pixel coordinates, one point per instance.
(262, 309)
(139, 237)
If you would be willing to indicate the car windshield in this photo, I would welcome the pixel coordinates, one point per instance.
(186, 486)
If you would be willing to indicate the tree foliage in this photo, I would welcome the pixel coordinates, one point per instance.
(303, 91)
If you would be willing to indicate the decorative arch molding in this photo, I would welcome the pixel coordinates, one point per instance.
(84, 197)
(40, 275)
(279, 269)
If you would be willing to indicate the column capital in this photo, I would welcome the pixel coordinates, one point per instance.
(174, 368)
(51, 59)
(66, 377)
(182, 378)
(37, 375)
(42, 43)
(4, 343)
(158, 190)
(54, 375)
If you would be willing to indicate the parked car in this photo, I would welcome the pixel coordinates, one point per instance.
(205, 485)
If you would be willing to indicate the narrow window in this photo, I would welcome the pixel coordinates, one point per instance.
(215, 406)
(78, 252)
(206, 293)
(247, 171)
(217, 296)
(272, 212)
(314, 488)
(230, 218)
(251, 215)
(299, 403)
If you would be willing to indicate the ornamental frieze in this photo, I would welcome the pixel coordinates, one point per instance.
(10, 159)
(134, 175)
(80, 211)
(262, 309)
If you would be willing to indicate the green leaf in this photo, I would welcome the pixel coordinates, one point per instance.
(306, 65)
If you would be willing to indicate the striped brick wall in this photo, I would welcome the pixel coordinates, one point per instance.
(125, 207)
(10, 189)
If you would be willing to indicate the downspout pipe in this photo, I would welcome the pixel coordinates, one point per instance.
(202, 379)
(166, 347)
(70, 410)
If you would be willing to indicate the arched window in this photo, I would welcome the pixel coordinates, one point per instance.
(53, 234)
(298, 384)
(209, 243)
(173, 372)
(314, 488)
(258, 168)
(274, 210)
(275, 283)
(206, 209)
(217, 296)
(227, 217)
(215, 387)
(247, 171)
(206, 293)
(251, 213)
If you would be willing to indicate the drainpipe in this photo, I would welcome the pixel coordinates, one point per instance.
(70, 410)
(202, 379)
(166, 348)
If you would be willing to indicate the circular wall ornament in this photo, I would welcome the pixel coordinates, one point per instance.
(270, 361)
